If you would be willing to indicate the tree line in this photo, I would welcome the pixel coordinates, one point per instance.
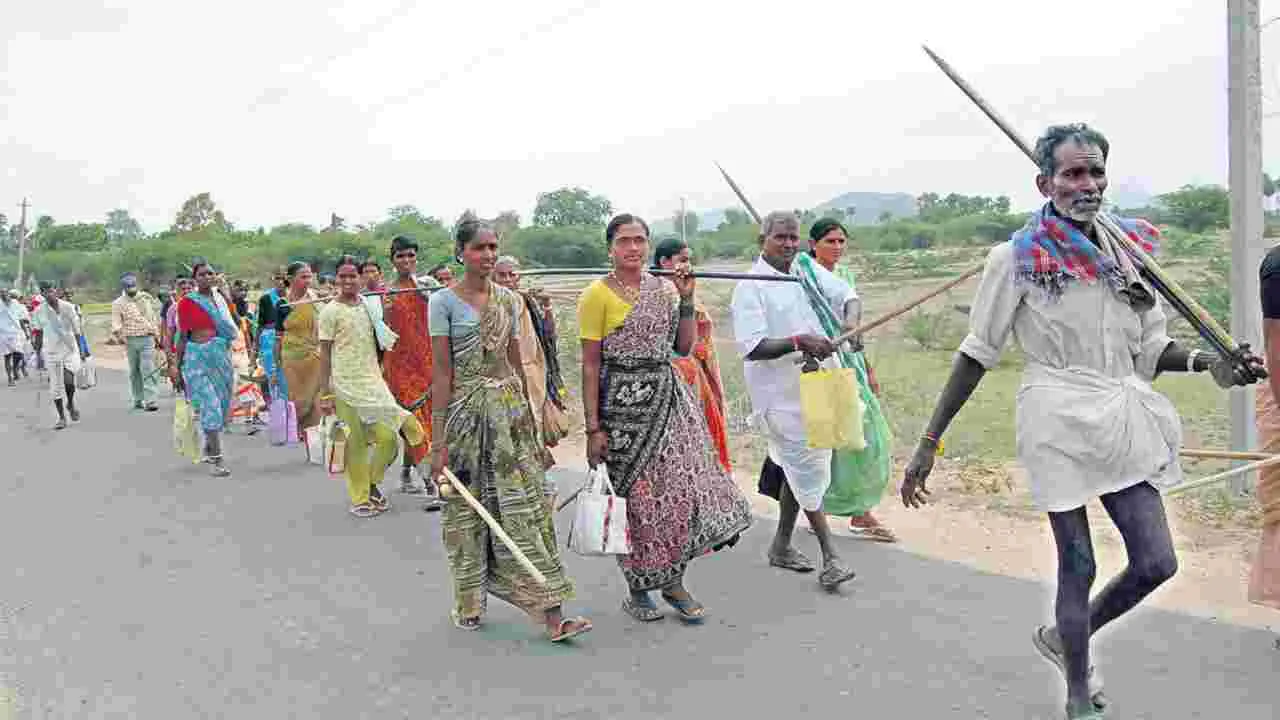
(566, 229)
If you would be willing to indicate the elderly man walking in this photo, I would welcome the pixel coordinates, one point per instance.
(135, 320)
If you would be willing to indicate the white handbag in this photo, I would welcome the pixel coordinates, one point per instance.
(600, 519)
(87, 375)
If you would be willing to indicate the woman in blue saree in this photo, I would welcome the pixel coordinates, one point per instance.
(205, 333)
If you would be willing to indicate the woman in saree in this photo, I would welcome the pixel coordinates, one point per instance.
(204, 336)
(169, 333)
(298, 345)
(700, 368)
(267, 357)
(356, 392)
(1264, 580)
(645, 424)
(859, 478)
(484, 431)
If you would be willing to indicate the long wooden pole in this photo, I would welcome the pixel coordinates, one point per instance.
(494, 527)
(697, 274)
(868, 326)
(1223, 454)
(1200, 319)
(1225, 475)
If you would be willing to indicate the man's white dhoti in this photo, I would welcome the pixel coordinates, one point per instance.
(1088, 421)
(808, 469)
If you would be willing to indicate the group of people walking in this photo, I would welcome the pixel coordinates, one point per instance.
(465, 371)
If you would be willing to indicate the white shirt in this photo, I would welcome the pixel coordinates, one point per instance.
(1088, 420)
(11, 320)
(763, 310)
(59, 330)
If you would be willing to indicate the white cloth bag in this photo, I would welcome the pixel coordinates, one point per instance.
(600, 519)
(87, 375)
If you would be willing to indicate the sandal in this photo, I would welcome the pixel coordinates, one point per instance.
(835, 574)
(471, 623)
(60, 425)
(220, 471)
(365, 510)
(379, 501)
(1099, 698)
(792, 559)
(644, 611)
(874, 533)
(691, 611)
(570, 628)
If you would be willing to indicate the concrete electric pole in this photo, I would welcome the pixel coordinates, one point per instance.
(1244, 101)
(22, 244)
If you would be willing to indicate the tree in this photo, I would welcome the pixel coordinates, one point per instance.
(733, 216)
(1002, 205)
(1198, 208)
(506, 224)
(336, 224)
(690, 223)
(568, 207)
(121, 227)
(80, 236)
(1268, 185)
(885, 216)
(200, 212)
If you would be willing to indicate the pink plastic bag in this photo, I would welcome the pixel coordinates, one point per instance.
(283, 422)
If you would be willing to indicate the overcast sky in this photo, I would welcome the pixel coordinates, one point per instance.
(288, 109)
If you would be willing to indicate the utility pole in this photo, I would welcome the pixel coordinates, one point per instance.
(1244, 102)
(22, 243)
(683, 239)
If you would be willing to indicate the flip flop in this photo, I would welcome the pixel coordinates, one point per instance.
(644, 611)
(578, 625)
(875, 533)
(1046, 650)
(792, 560)
(366, 510)
(834, 575)
(464, 623)
(60, 425)
(691, 611)
(1095, 714)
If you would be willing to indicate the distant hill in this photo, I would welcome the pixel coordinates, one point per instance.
(868, 206)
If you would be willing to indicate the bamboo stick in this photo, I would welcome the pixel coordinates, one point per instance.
(866, 327)
(1224, 475)
(699, 274)
(1223, 454)
(495, 527)
(367, 293)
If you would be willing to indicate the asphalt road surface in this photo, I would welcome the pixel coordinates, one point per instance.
(133, 585)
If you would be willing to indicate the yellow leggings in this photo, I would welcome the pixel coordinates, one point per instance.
(365, 468)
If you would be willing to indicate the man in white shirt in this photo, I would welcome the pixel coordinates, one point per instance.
(59, 323)
(773, 324)
(13, 336)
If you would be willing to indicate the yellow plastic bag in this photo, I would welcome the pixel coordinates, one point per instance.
(186, 432)
(831, 409)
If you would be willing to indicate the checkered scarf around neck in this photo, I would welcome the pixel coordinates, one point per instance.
(1049, 253)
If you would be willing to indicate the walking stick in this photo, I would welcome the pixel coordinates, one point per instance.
(865, 327)
(1223, 454)
(1173, 293)
(494, 527)
(697, 274)
(1225, 475)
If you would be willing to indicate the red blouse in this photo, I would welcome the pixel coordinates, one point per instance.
(193, 318)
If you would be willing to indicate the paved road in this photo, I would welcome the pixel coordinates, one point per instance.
(133, 585)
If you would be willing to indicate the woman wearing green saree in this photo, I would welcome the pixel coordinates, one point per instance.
(483, 430)
(858, 478)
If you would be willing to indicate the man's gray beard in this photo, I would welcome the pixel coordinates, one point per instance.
(1081, 216)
